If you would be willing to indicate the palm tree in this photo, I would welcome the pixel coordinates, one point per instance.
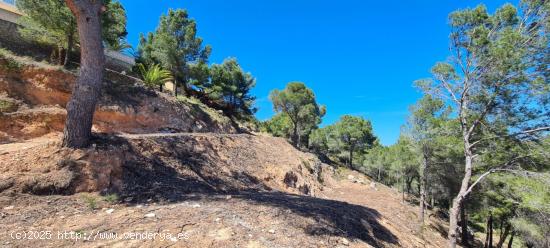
(119, 46)
(155, 75)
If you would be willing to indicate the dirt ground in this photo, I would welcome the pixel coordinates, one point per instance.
(345, 210)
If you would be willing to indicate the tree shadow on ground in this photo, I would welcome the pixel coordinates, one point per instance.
(331, 217)
(187, 174)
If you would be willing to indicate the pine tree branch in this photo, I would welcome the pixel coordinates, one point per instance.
(530, 131)
(503, 168)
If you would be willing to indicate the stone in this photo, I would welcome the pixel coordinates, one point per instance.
(373, 186)
(344, 241)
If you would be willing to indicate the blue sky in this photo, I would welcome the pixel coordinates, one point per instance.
(360, 57)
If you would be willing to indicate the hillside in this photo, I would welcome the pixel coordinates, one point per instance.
(175, 167)
(33, 96)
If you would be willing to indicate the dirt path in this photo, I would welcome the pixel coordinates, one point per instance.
(398, 217)
(32, 143)
(52, 137)
(158, 135)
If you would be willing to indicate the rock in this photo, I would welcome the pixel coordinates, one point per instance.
(351, 177)
(8, 208)
(196, 205)
(109, 211)
(150, 215)
(174, 239)
(227, 197)
(344, 241)
(217, 220)
(373, 185)
(271, 231)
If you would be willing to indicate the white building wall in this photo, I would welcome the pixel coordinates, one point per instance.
(8, 12)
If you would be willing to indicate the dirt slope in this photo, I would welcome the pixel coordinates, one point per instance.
(33, 97)
(217, 190)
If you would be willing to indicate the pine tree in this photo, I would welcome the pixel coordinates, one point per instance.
(496, 82)
(298, 103)
(176, 46)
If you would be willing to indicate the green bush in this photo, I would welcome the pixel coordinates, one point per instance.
(7, 106)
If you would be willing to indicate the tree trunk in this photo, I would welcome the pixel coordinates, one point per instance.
(81, 106)
(453, 221)
(54, 56)
(295, 134)
(61, 55)
(511, 241)
(423, 182)
(351, 156)
(70, 41)
(458, 200)
(403, 187)
(503, 236)
(489, 232)
(464, 224)
(418, 186)
(409, 184)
